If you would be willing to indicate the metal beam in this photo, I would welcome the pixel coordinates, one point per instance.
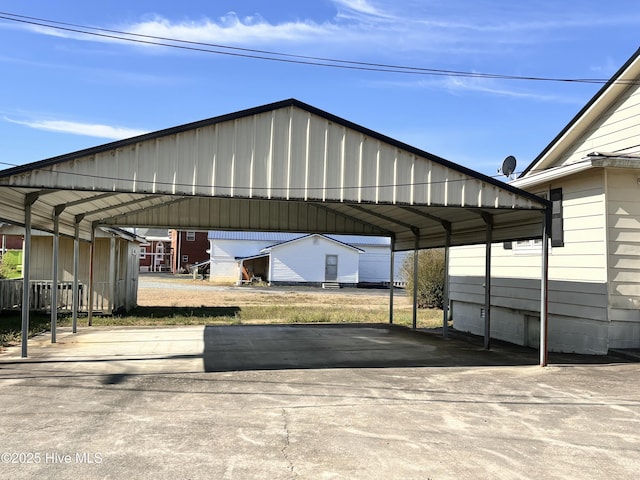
(392, 277)
(26, 265)
(123, 204)
(416, 232)
(420, 213)
(544, 289)
(445, 293)
(381, 216)
(91, 259)
(327, 207)
(488, 220)
(76, 272)
(54, 271)
(81, 201)
(112, 274)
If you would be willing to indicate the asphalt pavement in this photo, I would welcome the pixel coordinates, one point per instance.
(312, 402)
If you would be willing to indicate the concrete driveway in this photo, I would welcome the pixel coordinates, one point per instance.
(314, 402)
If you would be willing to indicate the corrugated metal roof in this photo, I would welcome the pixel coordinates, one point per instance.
(286, 166)
(275, 237)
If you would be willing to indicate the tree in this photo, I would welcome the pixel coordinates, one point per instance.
(431, 277)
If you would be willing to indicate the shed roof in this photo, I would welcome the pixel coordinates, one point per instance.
(285, 166)
(304, 237)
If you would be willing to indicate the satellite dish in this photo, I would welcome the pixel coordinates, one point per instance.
(508, 166)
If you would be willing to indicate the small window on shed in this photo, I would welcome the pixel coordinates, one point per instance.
(191, 236)
(185, 258)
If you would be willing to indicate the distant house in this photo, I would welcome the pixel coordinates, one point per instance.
(290, 258)
(591, 173)
(189, 247)
(9, 241)
(156, 254)
(115, 279)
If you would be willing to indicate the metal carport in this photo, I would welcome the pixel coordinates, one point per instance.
(285, 166)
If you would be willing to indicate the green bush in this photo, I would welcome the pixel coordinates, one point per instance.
(11, 264)
(431, 277)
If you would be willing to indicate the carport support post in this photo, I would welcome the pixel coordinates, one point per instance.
(488, 219)
(416, 232)
(544, 289)
(391, 278)
(112, 273)
(445, 293)
(91, 257)
(26, 261)
(57, 211)
(76, 268)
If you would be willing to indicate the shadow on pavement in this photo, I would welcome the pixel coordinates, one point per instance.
(279, 347)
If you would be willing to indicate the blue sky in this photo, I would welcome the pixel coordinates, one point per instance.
(63, 91)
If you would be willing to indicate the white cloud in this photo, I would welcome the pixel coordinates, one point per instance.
(459, 85)
(76, 128)
(351, 8)
(231, 29)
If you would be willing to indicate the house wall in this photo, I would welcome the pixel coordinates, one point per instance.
(10, 242)
(616, 130)
(578, 319)
(304, 261)
(195, 250)
(623, 224)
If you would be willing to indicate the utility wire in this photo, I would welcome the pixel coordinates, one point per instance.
(220, 49)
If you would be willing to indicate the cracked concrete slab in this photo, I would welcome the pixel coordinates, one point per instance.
(285, 402)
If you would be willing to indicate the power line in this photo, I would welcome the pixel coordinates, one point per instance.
(243, 188)
(228, 50)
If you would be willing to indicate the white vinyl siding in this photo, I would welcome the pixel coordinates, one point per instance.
(223, 254)
(304, 261)
(577, 272)
(616, 130)
(623, 212)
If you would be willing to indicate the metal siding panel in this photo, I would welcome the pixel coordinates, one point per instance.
(280, 154)
(244, 140)
(404, 176)
(386, 173)
(299, 154)
(333, 168)
(262, 155)
(146, 167)
(186, 174)
(370, 151)
(316, 160)
(351, 166)
(420, 180)
(203, 163)
(224, 159)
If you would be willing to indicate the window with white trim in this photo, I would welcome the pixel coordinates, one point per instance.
(143, 252)
(533, 245)
(191, 236)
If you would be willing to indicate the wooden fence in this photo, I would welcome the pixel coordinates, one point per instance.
(40, 295)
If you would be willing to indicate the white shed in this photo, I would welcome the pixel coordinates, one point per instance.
(114, 284)
(313, 260)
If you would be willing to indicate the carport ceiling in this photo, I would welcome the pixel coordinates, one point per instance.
(286, 166)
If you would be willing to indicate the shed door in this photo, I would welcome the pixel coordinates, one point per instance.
(331, 268)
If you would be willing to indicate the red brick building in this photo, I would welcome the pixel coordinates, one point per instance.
(189, 247)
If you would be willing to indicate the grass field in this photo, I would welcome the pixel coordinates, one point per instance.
(171, 300)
